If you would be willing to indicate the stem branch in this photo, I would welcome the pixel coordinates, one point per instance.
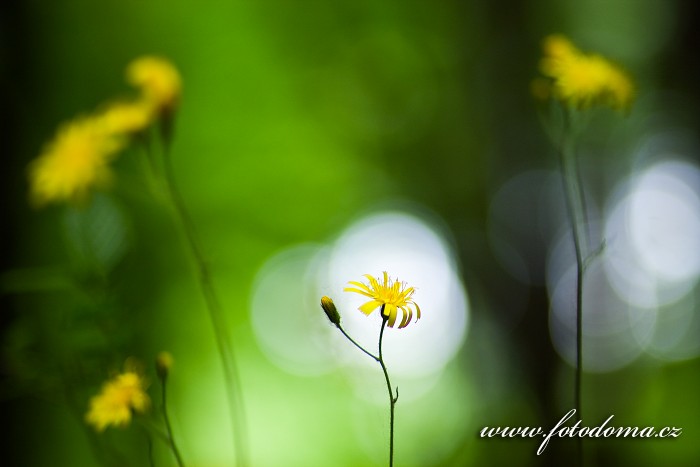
(380, 359)
(392, 399)
(577, 214)
(168, 427)
(356, 344)
(216, 315)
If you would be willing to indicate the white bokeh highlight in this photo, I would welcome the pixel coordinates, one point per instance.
(653, 232)
(640, 292)
(412, 252)
(293, 332)
(287, 320)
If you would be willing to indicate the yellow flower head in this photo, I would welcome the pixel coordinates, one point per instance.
(124, 117)
(583, 80)
(158, 80)
(391, 295)
(119, 397)
(74, 163)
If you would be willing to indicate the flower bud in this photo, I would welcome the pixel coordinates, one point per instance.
(330, 309)
(164, 362)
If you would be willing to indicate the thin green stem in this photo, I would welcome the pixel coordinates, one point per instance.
(168, 427)
(572, 207)
(149, 426)
(573, 125)
(576, 214)
(149, 443)
(583, 215)
(380, 359)
(392, 399)
(216, 315)
(355, 343)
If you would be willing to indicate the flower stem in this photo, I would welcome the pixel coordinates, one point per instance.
(380, 359)
(168, 427)
(576, 213)
(149, 443)
(152, 428)
(392, 399)
(216, 315)
(355, 343)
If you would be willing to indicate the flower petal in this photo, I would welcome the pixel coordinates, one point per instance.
(360, 285)
(370, 306)
(373, 282)
(390, 312)
(407, 315)
(350, 289)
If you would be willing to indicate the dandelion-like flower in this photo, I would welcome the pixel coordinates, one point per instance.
(119, 397)
(77, 160)
(158, 80)
(392, 295)
(124, 117)
(583, 80)
(74, 163)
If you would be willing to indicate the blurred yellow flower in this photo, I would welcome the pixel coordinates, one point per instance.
(393, 295)
(122, 117)
(583, 80)
(74, 163)
(77, 160)
(158, 80)
(118, 398)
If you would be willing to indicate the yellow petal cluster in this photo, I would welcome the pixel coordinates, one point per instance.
(119, 397)
(76, 161)
(158, 80)
(389, 294)
(126, 117)
(583, 80)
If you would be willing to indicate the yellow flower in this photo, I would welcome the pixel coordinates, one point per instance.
(621, 89)
(583, 80)
(77, 160)
(391, 295)
(119, 397)
(158, 80)
(557, 46)
(123, 117)
(74, 163)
